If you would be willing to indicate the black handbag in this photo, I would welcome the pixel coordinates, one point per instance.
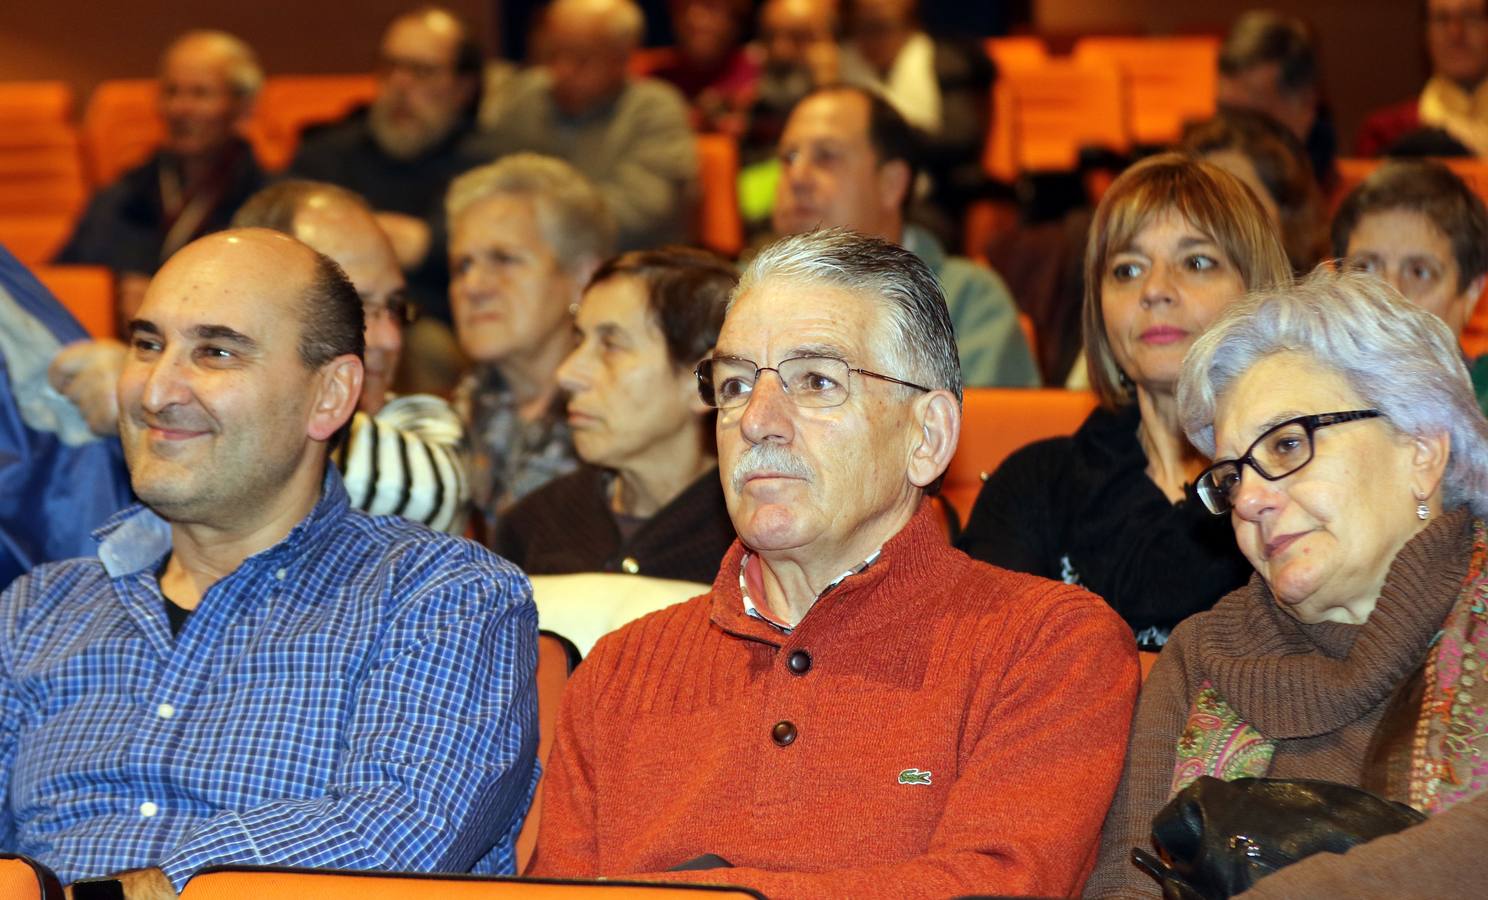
(1217, 838)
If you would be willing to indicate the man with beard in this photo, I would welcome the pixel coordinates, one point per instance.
(401, 151)
(855, 709)
(250, 671)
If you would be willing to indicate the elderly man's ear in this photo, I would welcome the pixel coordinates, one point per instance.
(938, 420)
(337, 390)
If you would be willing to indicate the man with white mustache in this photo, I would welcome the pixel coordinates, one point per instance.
(855, 709)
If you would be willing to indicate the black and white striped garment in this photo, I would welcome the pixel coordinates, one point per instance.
(409, 460)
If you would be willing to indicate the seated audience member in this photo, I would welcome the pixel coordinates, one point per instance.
(526, 233)
(853, 725)
(648, 500)
(712, 67)
(1261, 152)
(401, 152)
(1418, 226)
(630, 136)
(798, 40)
(250, 671)
(197, 179)
(404, 455)
(1269, 63)
(849, 160)
(1455, 98)
(1350, 460)
(58, 482)
(941, 86)
(1112, 509)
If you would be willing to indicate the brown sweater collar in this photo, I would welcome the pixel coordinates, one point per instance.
(1292, 680)
(910, 560)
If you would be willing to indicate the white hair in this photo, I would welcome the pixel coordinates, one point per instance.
(1399, 358)
(244, 74)
(571, 212)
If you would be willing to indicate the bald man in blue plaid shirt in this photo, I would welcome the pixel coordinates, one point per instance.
(251, 671)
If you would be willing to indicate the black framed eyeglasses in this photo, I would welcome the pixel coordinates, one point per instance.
(1282, 450)
(816, 382)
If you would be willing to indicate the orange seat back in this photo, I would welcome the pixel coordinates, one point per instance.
(997, 421)
(1017, 51)
(41, 169)
(556, 657)
(35, 101)
(645, 61)
(261, 883)
(1169, 80)
(720, 226)
(1048, 112)
(120, 127)
(34, 238)
(1146, 659)
(87, 292)
(288, 103)
(26, 879)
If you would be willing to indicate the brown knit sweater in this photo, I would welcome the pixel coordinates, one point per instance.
(1318, 691)
(933, 727)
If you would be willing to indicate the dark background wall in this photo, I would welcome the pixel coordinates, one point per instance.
(1371, 48)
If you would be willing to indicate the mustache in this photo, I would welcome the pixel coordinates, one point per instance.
(768, 457)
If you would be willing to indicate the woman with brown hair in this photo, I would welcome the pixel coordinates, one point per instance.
(1174, 241)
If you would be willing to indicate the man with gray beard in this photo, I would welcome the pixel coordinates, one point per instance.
(864, 711)
(401, 152)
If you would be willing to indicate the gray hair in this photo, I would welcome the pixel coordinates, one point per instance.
(1399, 358)
(570, 210)
(244, 75)
(921, 343)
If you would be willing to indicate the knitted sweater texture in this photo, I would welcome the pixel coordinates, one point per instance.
(933, 727)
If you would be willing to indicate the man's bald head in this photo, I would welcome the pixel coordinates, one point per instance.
(586, 47)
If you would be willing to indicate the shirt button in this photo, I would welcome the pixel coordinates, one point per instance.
(280, 574)
(148, 809)
(630, 566)
(784, 733)
(165, 711)
(799, 662)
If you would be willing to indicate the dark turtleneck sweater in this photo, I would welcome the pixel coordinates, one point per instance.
(1318, 691)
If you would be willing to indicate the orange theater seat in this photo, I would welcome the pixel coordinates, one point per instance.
(1044, 114)
(120, 127)
(34, 239)
(288, 103)
(26, 879)
(556, 658)
(41, 170)
(1169, 80)
(267, 883)
(647, 60)
(720, 226)
(997, 421)
(86, 291)
(1018, 51)
(35, 101)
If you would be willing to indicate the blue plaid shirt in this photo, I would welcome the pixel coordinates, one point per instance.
(359, 696)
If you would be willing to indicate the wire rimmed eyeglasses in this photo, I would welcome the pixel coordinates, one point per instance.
(817, 382)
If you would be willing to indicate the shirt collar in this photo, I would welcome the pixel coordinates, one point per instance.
(135, 538)
(751, 609)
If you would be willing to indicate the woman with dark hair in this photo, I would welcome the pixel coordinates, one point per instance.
(647, 500)
(1174, 241)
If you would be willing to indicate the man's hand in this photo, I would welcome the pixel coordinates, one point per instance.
(410, 237)
(87, 373)
(141, 884)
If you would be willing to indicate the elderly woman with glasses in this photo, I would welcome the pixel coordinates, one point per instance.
(1112, 508)
(647, 499)
(1352, 461)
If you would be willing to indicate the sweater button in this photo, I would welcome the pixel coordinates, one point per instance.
(630, 566)
(798, 662)
(784, 733)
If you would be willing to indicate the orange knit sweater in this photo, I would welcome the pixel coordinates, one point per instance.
(935, 726)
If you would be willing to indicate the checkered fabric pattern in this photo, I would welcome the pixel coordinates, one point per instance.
(358, 696)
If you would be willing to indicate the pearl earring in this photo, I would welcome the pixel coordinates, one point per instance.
(1423, 512)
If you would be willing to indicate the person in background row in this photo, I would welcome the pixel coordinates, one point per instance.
(1455, 98)
(399, 154)
(526, 233)
(855, 709)
(58, 481)
(193, 184)
(648, 500)
(1269, 63)
(711, 66)
(1261, 152)
(248, 670)
(848, 160)
(403, 456)
(1418, 226)
(1352, 463)
(629, 136)
(1113, 509)
(798, 40)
